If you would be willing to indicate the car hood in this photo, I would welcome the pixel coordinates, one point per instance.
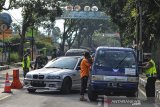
(46, 71)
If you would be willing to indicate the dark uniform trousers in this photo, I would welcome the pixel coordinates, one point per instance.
(84, 81)
(150, 87)
(25, 71)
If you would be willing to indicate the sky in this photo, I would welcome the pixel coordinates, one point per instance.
(15, 14)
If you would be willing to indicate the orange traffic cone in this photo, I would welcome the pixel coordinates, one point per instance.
(16, 84)
(7, 87)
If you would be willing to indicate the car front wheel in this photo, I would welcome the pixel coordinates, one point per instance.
(132, 94)
(92, 95)
(66, 86)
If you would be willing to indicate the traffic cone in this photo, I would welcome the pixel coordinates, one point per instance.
(16, 84)
(7, 87)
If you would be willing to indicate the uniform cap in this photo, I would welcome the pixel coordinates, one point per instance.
(147, 54)
(28, 50)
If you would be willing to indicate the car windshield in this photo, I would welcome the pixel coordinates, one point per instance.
(115, 59)
(63, 63)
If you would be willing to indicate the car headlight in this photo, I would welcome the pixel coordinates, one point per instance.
(97, 77)
(53, 77)
(29, 76)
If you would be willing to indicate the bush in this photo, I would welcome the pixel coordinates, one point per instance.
(14, 57)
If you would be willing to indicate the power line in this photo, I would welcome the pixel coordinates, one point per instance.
(157, 3)
(14, 18)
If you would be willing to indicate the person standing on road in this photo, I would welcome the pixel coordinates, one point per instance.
(26, 62)
(41, 61)
(84, 73)
(151, 73)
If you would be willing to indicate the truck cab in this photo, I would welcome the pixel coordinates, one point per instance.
(114, 73)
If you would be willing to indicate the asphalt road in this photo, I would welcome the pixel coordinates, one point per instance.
(21, 98)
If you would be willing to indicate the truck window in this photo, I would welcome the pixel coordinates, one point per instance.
(113, 59)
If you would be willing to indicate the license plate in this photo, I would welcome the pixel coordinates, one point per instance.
(37, 82)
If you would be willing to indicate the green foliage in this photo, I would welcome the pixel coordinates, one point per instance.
(43, 42)
(14, 57)
(125, 14)
(15, 39)
(40, 45)
(34, 14)
(105, 40)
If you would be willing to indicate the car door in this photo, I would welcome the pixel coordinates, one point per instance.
(76, 76)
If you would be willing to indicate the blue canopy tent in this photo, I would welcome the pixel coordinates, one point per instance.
(5, 18)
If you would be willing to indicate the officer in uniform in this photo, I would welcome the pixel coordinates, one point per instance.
(26, 62)
(41, 61)
(151, 74)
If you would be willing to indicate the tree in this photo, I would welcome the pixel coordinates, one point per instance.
(34, 12)
(69, 25)
(115, 9)
(2, 4)
(125, 14)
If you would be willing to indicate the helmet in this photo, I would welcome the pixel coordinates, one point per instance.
(147, 55)
(28, 50)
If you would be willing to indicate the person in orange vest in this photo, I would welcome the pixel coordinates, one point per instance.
(84, 73)
(26, 62)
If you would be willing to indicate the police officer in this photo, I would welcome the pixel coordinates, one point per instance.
(26, 62)
(41, 60)
(151, 73)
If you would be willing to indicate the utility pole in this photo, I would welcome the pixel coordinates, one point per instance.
(139, 32)
(32, 43)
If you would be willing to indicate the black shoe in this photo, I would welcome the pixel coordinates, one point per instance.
(82, 99)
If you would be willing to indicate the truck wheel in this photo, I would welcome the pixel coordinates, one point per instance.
(92, 95)
(31, 90)
(66, 86)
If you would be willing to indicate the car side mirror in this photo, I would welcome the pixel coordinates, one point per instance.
(78, 68)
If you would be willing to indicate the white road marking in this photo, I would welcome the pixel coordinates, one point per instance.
(4, 97)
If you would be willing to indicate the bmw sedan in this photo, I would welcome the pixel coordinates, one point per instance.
(59, 74)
